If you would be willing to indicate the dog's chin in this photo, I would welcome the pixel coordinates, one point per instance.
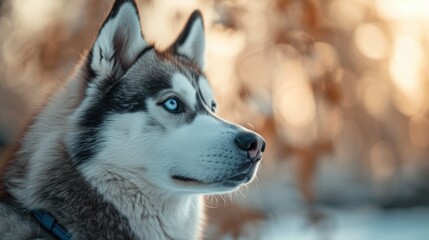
(220, 184)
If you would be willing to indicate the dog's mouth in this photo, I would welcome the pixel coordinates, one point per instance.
(243, 175)
(188, 180)
(227, 182)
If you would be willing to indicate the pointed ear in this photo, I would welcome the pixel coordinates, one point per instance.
(191, 42)
(119, 40)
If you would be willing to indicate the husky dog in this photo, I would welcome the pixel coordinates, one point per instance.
(128, 146)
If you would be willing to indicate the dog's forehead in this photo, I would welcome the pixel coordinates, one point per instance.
(176, 73)
(182, 85)
(194, 91)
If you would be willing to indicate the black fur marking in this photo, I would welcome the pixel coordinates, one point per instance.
(145, 50)
(101, 55)
(123, 97)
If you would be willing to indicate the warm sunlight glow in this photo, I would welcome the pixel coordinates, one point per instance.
(34, 16)
(371, 41)
(403, 9)
(405, 67)
(405, 63)
(347, 13)
(375, 99)
(295, 98)
(297, 106)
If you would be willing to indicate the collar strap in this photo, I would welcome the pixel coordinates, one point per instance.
(49, 223)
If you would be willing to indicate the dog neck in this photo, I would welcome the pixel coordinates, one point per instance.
(152, 213)
(104, 203)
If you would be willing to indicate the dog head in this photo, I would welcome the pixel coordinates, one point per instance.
(152, 113)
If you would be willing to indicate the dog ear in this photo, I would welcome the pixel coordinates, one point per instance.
(119, 41)
(191, 42)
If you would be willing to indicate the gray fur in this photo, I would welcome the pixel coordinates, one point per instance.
(16, 225)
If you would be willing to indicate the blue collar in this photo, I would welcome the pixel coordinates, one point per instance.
(48, 222)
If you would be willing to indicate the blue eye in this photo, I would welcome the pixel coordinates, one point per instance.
(172, 104)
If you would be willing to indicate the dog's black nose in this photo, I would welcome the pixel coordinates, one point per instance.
(251, 143)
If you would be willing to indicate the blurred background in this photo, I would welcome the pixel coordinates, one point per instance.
(338, 88)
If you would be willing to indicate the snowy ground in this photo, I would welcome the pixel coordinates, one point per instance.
(343, 224)
(362, 224)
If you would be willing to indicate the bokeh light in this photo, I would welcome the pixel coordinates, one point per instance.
(338, 88)
(371, 41)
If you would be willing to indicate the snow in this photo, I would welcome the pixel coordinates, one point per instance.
(350, 224)
(345, 224)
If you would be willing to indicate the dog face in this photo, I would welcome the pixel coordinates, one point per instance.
(152, 113)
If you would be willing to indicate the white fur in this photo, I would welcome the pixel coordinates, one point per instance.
(182, 86)
(154, 155)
